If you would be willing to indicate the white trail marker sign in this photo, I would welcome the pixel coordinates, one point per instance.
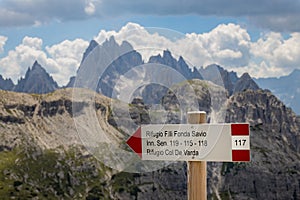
(192, 142)
(196, 143)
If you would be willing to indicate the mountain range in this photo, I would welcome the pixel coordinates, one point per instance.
(42, 156)
(6, 84)
(286, 88)
(229, 80)
(153, 93)
(38, 81)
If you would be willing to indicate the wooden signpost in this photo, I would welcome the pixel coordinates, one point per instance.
(196, 143)
(196, 178)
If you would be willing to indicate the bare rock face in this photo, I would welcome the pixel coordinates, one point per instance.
(6, 84)
(42, 156)
(179, 65)
(245, 82)
(274, 170)
(93, 44)
(286, 88)
(220, 76)
(37, 81)
(229, 80)
(262, 108)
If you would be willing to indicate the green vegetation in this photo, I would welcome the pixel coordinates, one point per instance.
(223, 196)
(124, 182)
(31, 172)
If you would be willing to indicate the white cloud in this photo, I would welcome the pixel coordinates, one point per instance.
(228, 45)
(272, 15)
(18, 60)
(3, 40)
(279, 54)
(91, 6)
(71, 49)
(67, 55)
(147, 44)
(90, 9)
(61, 61)
(287, 54)
(34, 43)
(20, 13)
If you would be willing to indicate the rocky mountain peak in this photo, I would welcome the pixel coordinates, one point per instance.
(180, 66)
(181, 61)
(36, 66)
(42, 155)
(229, 80)
(286, 88)
(111, 44)
(6, 84)
(245, 76)
(36, 80)
(167, 54)
(126, 45)
(168, 58)
(245, 82)
(261, 107)
(275, 146)
(219, 76)
(93, 44)
(295, 73)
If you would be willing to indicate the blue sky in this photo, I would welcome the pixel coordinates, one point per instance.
(258, 36)
(88, 28)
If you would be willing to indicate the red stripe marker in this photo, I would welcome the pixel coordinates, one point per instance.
(239, 129)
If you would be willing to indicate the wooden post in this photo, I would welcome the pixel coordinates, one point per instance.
(196, 169)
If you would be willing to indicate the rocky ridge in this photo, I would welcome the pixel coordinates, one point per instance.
(6, 84)
(229, 80)
(286, 88)
(37, 81)
(179, 65)
(41, 155)
(275, 145)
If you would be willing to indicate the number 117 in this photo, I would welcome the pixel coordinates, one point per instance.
(240, 142)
